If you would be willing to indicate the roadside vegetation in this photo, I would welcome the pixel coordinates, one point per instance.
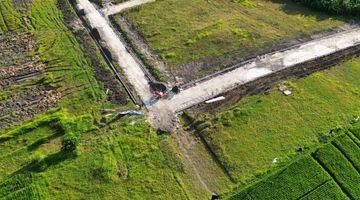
(339, 6)
(263, 131)
(222, 32)
(327, 173)
(73, 150)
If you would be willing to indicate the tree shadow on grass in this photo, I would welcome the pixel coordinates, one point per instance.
(40, 165)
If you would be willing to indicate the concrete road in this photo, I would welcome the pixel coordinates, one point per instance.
(263, 66)
(111, 10)
(127, 62)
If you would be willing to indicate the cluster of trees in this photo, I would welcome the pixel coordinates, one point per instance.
(335, 6)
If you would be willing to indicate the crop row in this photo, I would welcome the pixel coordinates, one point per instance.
(340, 168)
(329, 190)
(299, 178)
(20, 187)
(331, 172)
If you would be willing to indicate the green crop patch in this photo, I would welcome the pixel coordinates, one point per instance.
(299, 178)
(349, 149)
(21, 186)
(329, 190)
(184, 31)
(342, 171)
(325, 173)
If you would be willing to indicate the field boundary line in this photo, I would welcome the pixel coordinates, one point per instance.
(353, 138)
(312, 190)
(344, 154)
(331, 174)
(216, 159)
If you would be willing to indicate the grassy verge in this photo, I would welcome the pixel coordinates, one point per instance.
(126, 159)
(155, 72)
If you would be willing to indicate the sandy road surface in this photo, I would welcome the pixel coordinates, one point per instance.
(265, 65)
(132, 69)
(122, 6)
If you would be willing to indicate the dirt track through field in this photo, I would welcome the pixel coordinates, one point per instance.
(127, 62)
(122, 6)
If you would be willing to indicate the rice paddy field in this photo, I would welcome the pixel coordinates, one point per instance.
(262, 131)
(222, 31)
(330, 172)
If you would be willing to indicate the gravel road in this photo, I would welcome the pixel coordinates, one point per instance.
(131, 68)
(263, 66)
(110, 10)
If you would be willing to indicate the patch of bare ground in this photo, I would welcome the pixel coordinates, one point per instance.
(23, 91)
(22, 5)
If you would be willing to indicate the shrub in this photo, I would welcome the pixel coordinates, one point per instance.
(335, 6)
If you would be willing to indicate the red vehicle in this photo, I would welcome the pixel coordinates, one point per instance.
(159, 94)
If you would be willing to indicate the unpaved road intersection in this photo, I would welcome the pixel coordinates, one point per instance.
(163, 112)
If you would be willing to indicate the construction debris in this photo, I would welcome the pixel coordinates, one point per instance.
(215, 99)
(285, 90)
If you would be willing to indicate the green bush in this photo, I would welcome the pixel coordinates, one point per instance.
(335, 6)
(98, 2)
(73, 128)
(69, 142)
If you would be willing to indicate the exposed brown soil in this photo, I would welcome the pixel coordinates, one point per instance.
(23, 94)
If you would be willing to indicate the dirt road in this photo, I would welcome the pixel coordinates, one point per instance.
(129, 65)
(122, 6)
(263, 66)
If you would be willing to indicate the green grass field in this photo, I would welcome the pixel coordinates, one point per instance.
(249, 135)
(181, 31)
(125, 159)
(327, 174)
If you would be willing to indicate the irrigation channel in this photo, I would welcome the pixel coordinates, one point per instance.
(162, 113)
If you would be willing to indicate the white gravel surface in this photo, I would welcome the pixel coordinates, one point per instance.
(110, 10)
(265, 65)
(131, 68)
